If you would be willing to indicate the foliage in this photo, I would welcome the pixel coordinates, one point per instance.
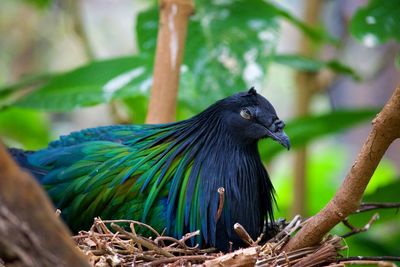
(376, 22)
(23, 127)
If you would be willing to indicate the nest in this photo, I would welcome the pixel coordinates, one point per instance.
(107, 243)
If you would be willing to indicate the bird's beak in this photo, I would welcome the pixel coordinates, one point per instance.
(281, 137)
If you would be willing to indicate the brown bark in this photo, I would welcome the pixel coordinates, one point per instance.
(30, 232)
(306, 83)
(385, 129)
(174, 15)
(242, 257)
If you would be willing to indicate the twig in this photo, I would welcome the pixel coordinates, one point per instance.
(180, 258)
(58, 213)
(326, 253)
(221, 192)
(355, 230)
(134, 222)
(375, 205)
(142, 241)
(371, 258)
(364, 262)
(242, 233)
(132, 226)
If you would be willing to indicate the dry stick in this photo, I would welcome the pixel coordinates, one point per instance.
(221, 192)
(371, 258)
(142, 241)
(179, 258)
(385, 129)
(31, 234)
(375, 205)
(134, 222)
(242, 233)
(364, 262)
(355, 230)
(174, 15)
(326, 253)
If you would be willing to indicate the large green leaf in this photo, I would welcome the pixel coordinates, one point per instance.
(302, 131)
(309, 64)
(39, 3)
(24, 128)
(377, 22)
(92, 84)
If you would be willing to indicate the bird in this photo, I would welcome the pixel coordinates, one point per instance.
(168, 175)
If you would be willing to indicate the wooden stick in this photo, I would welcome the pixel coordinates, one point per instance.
(385, 129)
(142, 241)
(174, 15)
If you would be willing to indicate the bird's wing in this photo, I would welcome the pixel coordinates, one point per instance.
(114, 180)
(114, 133)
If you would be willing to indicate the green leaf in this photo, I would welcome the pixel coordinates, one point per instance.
(299, 62)
(92, 84)
(341, 68)
(315, 34)
(39, 3)
(24, 128)
(313, 65)
(387, 193)
(376, 22)
(302, 131)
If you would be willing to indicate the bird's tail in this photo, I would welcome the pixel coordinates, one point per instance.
(21, 157)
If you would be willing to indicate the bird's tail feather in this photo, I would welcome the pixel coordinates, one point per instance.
(21, 157)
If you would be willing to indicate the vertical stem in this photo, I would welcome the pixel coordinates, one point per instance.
(306, 84)
(75, 10)
(170, 47)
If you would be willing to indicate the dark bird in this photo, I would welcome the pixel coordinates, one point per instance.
(167, 175)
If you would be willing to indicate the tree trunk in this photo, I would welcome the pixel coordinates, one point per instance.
(174, 16)
(306, 86)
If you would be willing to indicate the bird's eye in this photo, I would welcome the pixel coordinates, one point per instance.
(246, 114)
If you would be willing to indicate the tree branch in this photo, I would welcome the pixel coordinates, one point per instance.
(385, 129)
(31, 234)
(355, 230)
(364, 207)
(174, 16)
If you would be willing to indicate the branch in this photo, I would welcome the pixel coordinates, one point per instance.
(174, 16)
(355, 230)
(374, 206)
(31, 234)
(385, 129)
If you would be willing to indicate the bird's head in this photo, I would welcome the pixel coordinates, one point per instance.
(250, 117)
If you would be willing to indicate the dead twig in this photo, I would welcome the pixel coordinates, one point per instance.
(242, 233)
(142, 241)
(355, 230)
(376, 205)
(221, 192)
(179, 259)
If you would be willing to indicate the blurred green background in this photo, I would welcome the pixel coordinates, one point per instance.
(67, 65)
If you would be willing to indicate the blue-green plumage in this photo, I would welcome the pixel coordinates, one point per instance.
(167, 175)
